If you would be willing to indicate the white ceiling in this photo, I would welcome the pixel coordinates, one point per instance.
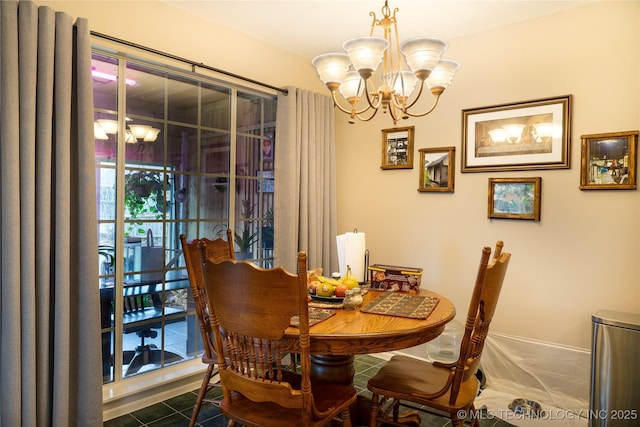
(309, 28)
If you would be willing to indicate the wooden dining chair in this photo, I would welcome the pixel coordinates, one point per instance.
(194, 252)
(442, 388)
(251, 308)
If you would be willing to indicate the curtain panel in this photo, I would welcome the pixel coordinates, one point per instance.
(50, 360)
(305, 186)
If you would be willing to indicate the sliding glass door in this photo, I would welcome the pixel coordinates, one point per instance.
(176, 153)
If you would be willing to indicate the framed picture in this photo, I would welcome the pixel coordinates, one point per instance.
(265, 181)
(267, 149)
(437, 169)
(526, 135)
(397, 148)
(608, 161)
(514, 198)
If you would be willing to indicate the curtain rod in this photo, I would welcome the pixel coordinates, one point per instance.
(187, 61)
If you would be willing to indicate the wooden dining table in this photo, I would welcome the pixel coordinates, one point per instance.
(336, 340)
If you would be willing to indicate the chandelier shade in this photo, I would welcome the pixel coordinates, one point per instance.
(151, 135)
(442, 75)
(99, 132)
(332, 67)
(423, 54)
(366, 53)
(513, 132)
(352, 86)
(108, 126)
(102, 128)
(547, 130)
(139, 131)
(405, 84)
(406, 69)
(498, 135)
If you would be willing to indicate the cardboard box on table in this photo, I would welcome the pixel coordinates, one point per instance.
(395, 278)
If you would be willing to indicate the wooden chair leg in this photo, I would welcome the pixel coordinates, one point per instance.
(375, 406)
(203, 391)
(386, 412)
(346, 418)
(474, 421)
(457, 422)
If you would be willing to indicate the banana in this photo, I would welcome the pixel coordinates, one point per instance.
(329, 281)
(349, 280)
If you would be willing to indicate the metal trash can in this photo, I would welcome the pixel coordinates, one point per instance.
(615, 369)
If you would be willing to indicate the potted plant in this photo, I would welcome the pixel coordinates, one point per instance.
(143, 195)
(244, 237)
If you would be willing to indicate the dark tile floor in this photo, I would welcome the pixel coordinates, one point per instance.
(176, 412)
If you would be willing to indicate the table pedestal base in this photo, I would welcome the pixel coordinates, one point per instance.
(335, 369)
(340, 369)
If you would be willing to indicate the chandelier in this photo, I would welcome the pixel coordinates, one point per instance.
(352, 73)
(103, 127)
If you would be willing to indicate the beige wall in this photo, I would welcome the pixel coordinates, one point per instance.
(581, 257)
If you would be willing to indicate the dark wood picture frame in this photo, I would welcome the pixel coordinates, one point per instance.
(608, 161)
(437, 169)
(526, 135)
(514, 198)
(397, 148)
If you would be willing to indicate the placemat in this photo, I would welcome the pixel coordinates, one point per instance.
(402, 305)
(316, 315)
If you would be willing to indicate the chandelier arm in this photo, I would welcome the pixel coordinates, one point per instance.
(417, 96)
(392, 112)
(394, 102)
(375, 111)
(337, 104)
(352, 113)
(377, 98)
(433, 107)
(364, 110)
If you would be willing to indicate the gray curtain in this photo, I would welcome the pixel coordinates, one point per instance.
(305, 186)
(50, 361)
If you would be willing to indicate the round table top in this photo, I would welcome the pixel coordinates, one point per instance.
(351, 332)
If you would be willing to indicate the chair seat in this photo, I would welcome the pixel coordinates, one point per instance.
(249, 413)
(210, 360)
(403, 376)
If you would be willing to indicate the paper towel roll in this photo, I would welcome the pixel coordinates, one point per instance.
(351, 248)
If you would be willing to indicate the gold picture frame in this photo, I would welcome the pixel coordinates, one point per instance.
(397, 148)
(519, 136)
(437, 169)
(608, 161)
(514, 198)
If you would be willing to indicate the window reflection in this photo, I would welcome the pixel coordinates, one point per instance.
(174, 141)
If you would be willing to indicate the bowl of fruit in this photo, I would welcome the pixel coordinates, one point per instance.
(329, 289)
